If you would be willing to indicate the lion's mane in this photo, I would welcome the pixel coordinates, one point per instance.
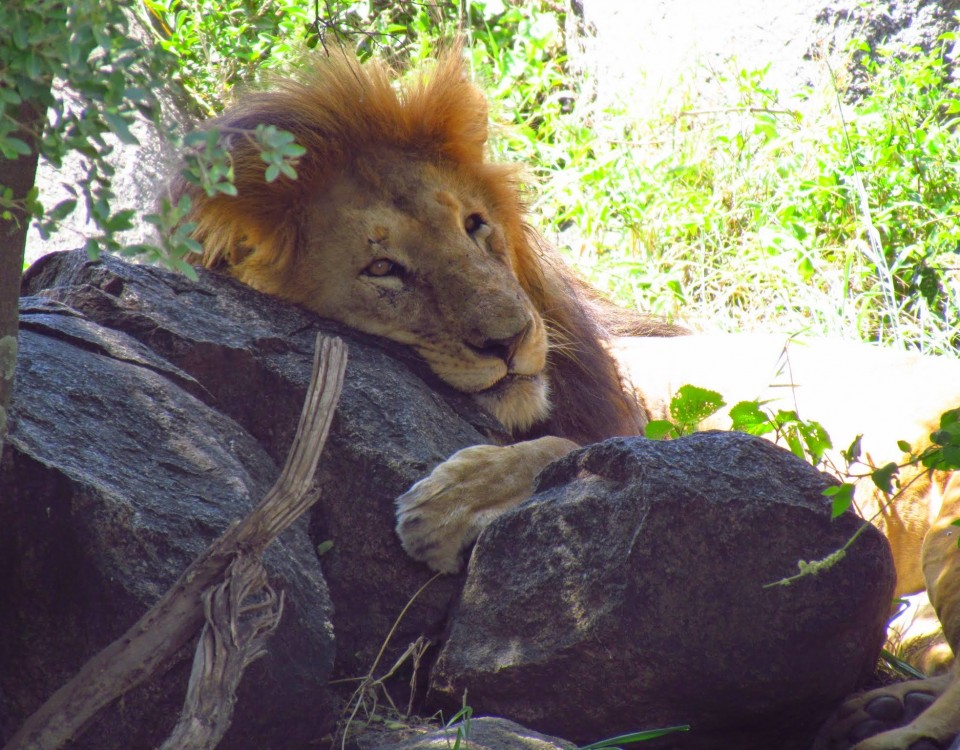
(340, 108)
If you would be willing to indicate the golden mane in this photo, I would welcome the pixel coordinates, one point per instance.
(342, 108)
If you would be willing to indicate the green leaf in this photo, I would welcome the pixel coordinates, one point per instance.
(794, 443)
(816, 439)
(14, 147)
(92, 248)
(324, 547)
(9, 96)
(940, 437)
(950, 418)
(658, 429)
(749, 417)
(627, 739)
(883, 477)
(852, 453)
(691, 405)
(842, 498)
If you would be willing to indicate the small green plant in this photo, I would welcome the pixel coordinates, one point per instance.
(461, 721)
(813, 213)
(691, 405)
(808, 440)
(615, 743)
(688, 408)
(88, 46)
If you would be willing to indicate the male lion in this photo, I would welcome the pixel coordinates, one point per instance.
(398, 227)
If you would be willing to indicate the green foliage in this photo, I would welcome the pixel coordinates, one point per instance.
(217, 44)
(841, 219)
(87, 45)
(461, 719)
(92, 48)
(688, 408)
(944, 453)
(615, 743)
(806, 438)
(834, 218)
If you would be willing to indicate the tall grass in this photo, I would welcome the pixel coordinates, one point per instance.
(812, 214)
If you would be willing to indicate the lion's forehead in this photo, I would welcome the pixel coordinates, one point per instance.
(425, 190)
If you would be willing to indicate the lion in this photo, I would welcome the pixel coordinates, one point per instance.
(398, 226)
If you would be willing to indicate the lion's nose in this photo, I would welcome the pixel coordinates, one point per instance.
(503, 348)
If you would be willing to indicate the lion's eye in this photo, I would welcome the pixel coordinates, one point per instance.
(476, 227)
(383, 267)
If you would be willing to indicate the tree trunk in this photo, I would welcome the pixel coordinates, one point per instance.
(19, 176)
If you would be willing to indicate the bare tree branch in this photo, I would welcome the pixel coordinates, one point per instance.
(241, 613)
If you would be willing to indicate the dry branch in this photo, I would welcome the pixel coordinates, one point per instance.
(175, 619)
(241, 613)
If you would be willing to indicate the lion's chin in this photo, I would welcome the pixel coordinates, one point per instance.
(519, 402)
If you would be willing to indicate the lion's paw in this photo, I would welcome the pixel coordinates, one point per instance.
(442, 515)
(892, 718)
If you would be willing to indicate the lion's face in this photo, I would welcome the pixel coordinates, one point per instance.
(413, 252)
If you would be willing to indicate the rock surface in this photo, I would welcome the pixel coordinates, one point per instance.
(114, 481)
(646, 48)
(476, 734)
(630, 594)
(251, 356)
(113, 504)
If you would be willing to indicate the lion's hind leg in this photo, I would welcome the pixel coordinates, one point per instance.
(887, 718)
(919, 714)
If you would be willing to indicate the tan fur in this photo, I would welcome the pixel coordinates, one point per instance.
(398, 227)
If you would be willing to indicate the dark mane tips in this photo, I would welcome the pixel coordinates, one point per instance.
(591, 401)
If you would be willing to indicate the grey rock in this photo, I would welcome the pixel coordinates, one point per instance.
(149, 412)
(476, 734)
(631, 593)
(113, 481)
(903, 26)
(250, 356)
(645, 48)
(628, 594)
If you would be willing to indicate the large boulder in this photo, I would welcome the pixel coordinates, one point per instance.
(251, 356)
(643, 50)
(114, 480)
(476, 734)
(150, 411)
(634, 592)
